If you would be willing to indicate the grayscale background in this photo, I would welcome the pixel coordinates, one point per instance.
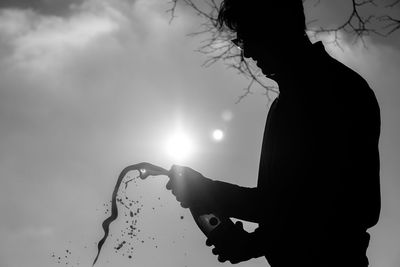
(90, 86)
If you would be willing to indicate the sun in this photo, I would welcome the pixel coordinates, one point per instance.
(179, 146)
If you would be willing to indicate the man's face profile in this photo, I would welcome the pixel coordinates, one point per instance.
(264, 52)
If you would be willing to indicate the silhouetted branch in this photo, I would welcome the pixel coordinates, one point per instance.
(392, 23)
(394, 3)
(355, 24)
(172, 10)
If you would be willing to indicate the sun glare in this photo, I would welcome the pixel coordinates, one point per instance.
(179, 146)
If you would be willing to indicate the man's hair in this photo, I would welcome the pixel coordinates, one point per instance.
(256, 15)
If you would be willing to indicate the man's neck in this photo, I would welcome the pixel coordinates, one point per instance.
(296, 65)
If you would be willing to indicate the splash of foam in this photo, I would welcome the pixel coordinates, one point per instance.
(145, 169)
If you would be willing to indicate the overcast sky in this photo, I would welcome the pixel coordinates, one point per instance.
(90, 86)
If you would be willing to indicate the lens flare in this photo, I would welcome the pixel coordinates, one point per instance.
(218, 135)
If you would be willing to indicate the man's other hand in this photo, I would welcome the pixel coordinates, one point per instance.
(234, 244)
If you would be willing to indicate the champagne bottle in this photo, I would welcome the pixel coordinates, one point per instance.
(211, 222)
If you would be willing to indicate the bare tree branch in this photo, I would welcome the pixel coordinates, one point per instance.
(355, 24)
(172, 10)
(393, 3)
(392, 23)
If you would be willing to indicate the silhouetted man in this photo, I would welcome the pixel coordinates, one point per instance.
(318, 187)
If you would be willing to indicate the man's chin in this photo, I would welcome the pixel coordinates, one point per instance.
(268, 73)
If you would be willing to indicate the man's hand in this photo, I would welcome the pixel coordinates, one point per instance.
(191, 188)
(234, 245)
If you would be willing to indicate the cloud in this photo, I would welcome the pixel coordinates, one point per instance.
(45, 7)
(97, 28)
(40, 42)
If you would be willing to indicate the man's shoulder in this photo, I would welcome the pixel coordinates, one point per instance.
(353, 93)
(338, 77)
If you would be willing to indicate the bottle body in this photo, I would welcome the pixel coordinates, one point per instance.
(211, 222)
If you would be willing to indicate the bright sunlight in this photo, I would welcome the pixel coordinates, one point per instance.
(179, 146)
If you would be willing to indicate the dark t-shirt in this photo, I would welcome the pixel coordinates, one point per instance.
(319, 169)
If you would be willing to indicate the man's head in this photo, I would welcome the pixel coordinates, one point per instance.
(266, 28)
(257, 15)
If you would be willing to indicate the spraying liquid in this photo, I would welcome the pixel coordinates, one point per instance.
(206, 222)
(145, 170)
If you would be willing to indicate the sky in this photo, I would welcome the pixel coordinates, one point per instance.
(90, 86)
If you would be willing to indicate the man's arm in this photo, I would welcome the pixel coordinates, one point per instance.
(236, 201)
(194, 190)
